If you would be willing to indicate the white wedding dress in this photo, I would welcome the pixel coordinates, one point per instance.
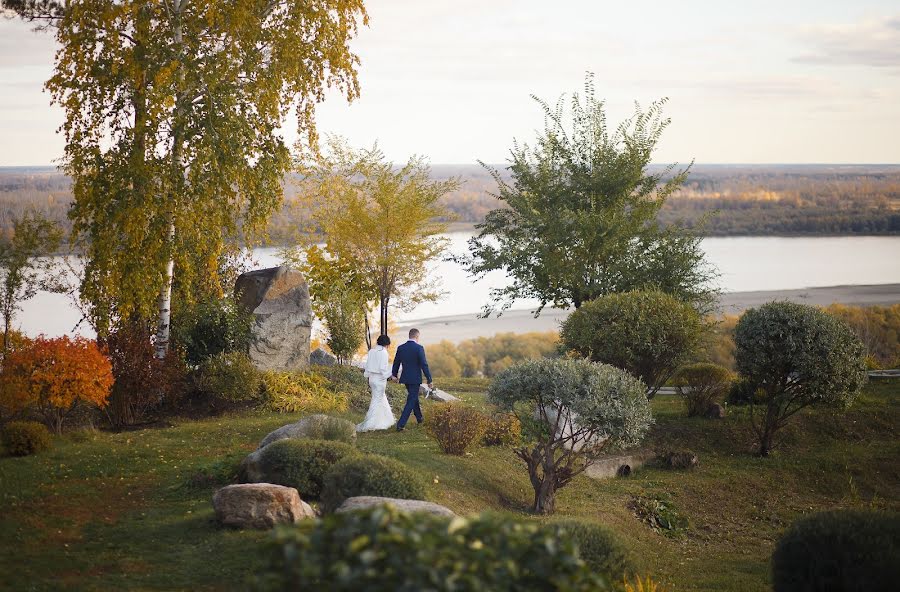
(378, 370)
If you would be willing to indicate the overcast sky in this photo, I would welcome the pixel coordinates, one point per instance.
(790, 81)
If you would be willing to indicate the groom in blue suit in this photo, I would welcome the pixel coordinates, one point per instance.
(411, 356)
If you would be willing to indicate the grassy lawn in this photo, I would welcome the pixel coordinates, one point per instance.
(132, 510)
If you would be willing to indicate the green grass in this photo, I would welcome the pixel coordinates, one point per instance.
(132, 510)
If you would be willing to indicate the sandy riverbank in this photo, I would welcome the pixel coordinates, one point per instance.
(460, 327)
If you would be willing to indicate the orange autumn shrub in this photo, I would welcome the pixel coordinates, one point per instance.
(51, 377)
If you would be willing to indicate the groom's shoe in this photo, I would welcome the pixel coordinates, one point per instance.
(399, 429)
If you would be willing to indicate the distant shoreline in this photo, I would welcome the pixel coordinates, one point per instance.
(457, 328)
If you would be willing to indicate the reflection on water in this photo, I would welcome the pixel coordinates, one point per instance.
(745, 264)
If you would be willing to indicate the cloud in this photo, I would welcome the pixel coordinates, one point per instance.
(873, 43)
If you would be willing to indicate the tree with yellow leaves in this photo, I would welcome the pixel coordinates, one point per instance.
(173, 116)
(382, 221)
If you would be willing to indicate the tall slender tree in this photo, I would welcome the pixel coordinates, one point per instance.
(381, 220)
(173, 115)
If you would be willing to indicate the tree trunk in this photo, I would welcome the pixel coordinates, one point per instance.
(545, 495)
(368, 330)
(165, 291)
(385, 301)
(768, 432)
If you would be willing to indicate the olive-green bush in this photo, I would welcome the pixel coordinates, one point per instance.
(230, 377)
(370, 474)
(701, 385)
(384, 550)
(648, 333)
(599, 547)
(839, 551)
(302, 463)
(22, 438)
(456, 427)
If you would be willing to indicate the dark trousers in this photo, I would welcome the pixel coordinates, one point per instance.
(412, 405)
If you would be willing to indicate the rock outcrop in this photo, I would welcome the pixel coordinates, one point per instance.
(278, 297)
(364, 502)
(259, 505)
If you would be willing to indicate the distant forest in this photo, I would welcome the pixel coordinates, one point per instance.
(718, 200)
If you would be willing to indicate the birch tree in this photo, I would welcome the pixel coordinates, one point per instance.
(173, 113)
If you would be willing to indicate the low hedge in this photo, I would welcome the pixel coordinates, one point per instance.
(370, 474)
(841, 551)
(386, 550)
(302, 464)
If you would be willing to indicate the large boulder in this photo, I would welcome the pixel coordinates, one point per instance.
(308, 427)
(320, 357)
(364, 502)
(278, 297)
(251, 470)
(259, 505)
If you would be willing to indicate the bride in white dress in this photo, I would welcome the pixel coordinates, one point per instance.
(378, 370)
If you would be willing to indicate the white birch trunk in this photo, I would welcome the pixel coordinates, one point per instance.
(165, 293)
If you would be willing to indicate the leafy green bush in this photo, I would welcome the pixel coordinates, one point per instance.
(302, 464)
(230, 377)
(384, 550)
(798, 355)
(212, 327)
(369, 475)
(599, 548)
(456, 427)
(21, 438)
(701, 385)
(650, 334)
(302, 392)
(502, 429)
(743, 392)
(216, 473)
(844, 550)
(325, 427)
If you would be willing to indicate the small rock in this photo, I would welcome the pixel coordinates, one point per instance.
(682, 459)
(404, 505)
(259, 505)
(320, 357)
(715, 411)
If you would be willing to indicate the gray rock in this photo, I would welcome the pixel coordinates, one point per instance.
(307, 427)
(320, 357)
(278, 297)
(679, 460)
(404, 505)
(259, 505)
(715, 411)
(251, 470)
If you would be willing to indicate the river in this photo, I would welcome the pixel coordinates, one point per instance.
(744, 263)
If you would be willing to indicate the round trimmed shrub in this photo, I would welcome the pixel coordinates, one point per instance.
(325, 427)
(599, 548)
(648, 333)
(21, 438)
(384, 549)
(370, 474)
(701, 385)
(302, 464)
(839, 551)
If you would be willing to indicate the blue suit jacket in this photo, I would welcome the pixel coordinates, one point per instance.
(411, 356)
